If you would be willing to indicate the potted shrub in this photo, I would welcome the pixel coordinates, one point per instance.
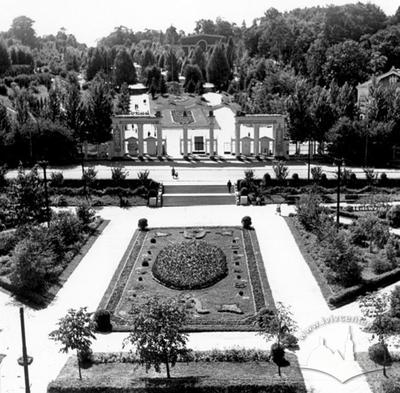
(246, 222)
(102, 321)
(142, 224)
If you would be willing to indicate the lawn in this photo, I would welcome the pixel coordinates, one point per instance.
(376, 378)
(221, 297)
(200, 376)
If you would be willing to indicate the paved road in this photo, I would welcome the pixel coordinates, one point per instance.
(201, 173)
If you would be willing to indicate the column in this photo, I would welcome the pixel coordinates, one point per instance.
(212, 152)
(237, 138)
(159, 140)
(140, 139)
(185, 140)
(256, 139)
(121, 130)
(274, 142)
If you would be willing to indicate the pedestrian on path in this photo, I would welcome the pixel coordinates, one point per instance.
(173, 172)
(278, 210)
(229, 185)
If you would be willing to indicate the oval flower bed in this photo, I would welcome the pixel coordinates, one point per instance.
(190, 265)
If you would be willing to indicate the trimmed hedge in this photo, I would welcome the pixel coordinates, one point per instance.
(369, 285)
(192, 377)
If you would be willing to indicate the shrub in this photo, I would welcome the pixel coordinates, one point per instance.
(266, 179)
(66, 227)
(323, 179)
(244, 191)
(295, 177)
(395, 302)
(391, 385)
(56, 179)
(393, 216)
(8, 240)
(3, 90)
(281, 170)
(316, 173)
(143, 176)
(85, 213)
(383, 178)
(89, 176)
(309, 211)
(370, 175)
(60, 201)
(246, 222)
(342, 260)
(31, 265)
(142, 224)
(118, 175)
(381, 265)
(102, 320)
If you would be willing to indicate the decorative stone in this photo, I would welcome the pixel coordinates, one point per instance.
(231, 308)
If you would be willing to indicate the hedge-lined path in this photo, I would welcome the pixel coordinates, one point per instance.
(290, 280)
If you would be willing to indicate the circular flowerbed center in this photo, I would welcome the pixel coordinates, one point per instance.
(190, 265)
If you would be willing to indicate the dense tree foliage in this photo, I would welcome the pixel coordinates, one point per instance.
(124, 70)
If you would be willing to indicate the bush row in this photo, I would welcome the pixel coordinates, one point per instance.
(214, 355)
(296, 182)
(369, 285)
(277, 386)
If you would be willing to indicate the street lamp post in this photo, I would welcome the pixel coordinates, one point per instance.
(25, 360)
(339, 163)
(44, 165)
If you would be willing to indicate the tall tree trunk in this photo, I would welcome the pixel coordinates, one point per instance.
(167, 366)
(79, 365)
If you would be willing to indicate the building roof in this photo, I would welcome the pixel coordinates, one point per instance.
(210, 39)
(392, 71)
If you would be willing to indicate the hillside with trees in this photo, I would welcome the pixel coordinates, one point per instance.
(304, 63)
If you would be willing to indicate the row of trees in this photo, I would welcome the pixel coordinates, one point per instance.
(54, 128)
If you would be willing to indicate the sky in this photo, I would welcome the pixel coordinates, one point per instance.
(90, 20)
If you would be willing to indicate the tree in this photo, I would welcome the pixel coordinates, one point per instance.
(218, 71)
(172, 66)
(346, 62)
(5, 61)
(148, 59)
(27, 197)
(278, 325)
(123, 102)
(372, 229)
(124, 70)
(75, 332)
(22, 30)
(375, 308)
(74, 110)
(54, 104)
(171, 35)
(95, 64)
(198, 58)
(380, 354)
(342, 260)
(32, 264)
(205, 26)
(156, 332)
(99, 112)
(193, 76)
(301, 125)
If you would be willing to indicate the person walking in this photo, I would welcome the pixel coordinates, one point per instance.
(229, 185)
(173, 172)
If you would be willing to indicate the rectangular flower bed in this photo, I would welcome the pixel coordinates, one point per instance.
(227, 301)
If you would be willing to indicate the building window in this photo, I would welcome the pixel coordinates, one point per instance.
(198, 143)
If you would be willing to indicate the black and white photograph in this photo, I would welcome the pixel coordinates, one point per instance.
(199, 196)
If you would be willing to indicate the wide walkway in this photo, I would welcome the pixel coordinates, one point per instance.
(290, 279)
